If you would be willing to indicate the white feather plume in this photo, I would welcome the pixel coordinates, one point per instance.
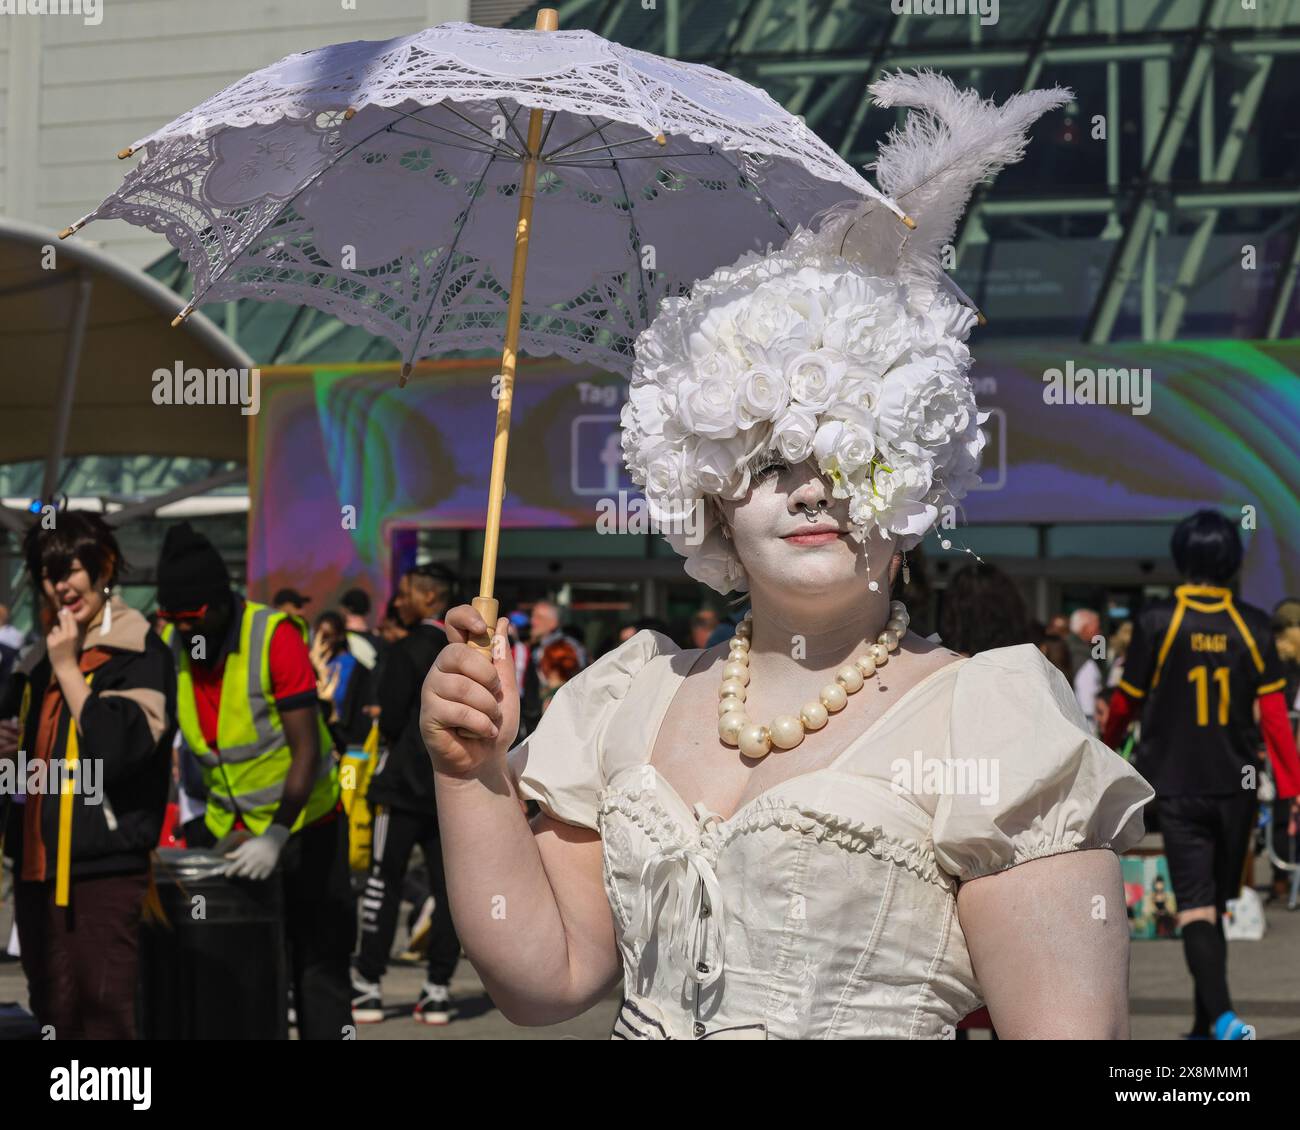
(951, 141)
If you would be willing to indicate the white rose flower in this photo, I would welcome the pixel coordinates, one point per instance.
(861, 390)
(714, 463)
(814, 377)
(645, 401)
(844, 444)
(764, 392)
(924, 403)
(668, 476)
(960, 469)
(901, 498)
(773, 312)
(948, 320)
(711, 332)
(794, 432)
(707, 407)
(712, 561)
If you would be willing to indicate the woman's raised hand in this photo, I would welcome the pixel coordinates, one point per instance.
(63, 644)
(467, 693)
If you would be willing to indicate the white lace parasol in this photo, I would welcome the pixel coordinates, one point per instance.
(379, 182)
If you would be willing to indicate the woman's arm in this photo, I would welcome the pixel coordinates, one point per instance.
(529, 903)
(1048, 940)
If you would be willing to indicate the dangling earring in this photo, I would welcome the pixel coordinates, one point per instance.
(907, 573)
(107, 622)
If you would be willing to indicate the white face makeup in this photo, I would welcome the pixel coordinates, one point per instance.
(779, 545)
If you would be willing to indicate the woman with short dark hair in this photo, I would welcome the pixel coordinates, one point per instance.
(100, 692)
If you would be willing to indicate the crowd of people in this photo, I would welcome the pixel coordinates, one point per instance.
(1231, 685)
(241, 714)
(238, 716)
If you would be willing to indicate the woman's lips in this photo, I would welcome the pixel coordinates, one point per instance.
(824, 537)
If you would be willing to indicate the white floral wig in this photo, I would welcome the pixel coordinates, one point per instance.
(844, 346)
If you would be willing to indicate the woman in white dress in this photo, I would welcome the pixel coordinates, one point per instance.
(827, 827)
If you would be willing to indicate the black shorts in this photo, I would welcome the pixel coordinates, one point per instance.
(1206, 840)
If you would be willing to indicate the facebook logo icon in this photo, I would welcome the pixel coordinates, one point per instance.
(596, 456)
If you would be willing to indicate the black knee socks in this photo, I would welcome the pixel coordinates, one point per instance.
(1202, 1021)
(1206, 951)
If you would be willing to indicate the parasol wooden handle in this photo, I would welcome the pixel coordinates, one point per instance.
(488, 608)
(485, 604)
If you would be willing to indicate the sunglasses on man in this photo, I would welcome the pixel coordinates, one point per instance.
(174, 617)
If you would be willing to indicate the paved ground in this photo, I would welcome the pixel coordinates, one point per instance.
(1264, 975)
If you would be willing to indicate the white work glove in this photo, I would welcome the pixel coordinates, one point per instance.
(256, 857)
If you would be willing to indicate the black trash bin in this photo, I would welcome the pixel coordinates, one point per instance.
(217, 969)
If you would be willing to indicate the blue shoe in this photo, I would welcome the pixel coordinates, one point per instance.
(1230, 1026)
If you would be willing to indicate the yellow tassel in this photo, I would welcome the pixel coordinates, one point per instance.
(63, 855)
(151, 910)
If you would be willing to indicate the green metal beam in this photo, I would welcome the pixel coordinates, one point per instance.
(1236, 198)
(896, 33)
(751, 26)
(958, 58)
(568, 10)
(1285, 288)
(1065, 205)
(830, 29)
(608, 19)
(971, 227)
(1141, 217)
(1247, 105)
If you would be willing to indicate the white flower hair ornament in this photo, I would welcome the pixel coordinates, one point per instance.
(846, 346)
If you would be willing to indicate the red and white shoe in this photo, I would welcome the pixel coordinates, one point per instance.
(434, 1005)
(367, 1004)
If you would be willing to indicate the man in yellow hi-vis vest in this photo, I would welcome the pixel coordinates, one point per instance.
(247, 707)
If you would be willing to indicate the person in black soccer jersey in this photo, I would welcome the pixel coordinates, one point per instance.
(1199, 665)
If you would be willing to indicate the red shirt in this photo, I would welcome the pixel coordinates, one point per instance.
(293, 681)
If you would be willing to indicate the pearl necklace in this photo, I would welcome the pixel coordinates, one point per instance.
(786, 731)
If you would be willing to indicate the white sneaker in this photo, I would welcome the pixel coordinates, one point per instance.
(367, 1004)
(434, 1005)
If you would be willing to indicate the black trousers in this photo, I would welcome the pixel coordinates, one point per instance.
(320, 924)
(396, 832)
(322, 928)
(1206, 840)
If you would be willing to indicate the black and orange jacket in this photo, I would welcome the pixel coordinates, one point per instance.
(127, 725)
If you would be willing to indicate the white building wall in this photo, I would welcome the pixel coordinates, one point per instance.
(72, 94)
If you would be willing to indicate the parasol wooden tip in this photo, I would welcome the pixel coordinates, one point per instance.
(123, 154)
(659, 137)
(176, 321)
(908, 222)
(548, 19)
(406, 374)
(66, 232)
(979, 317)
(349, 113)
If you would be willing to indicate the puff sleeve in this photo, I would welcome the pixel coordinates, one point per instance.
(559, 763)
(1025, 777)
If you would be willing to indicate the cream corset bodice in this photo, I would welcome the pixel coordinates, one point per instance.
(826, 906)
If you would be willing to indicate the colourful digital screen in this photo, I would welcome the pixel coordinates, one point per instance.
(341, 456)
